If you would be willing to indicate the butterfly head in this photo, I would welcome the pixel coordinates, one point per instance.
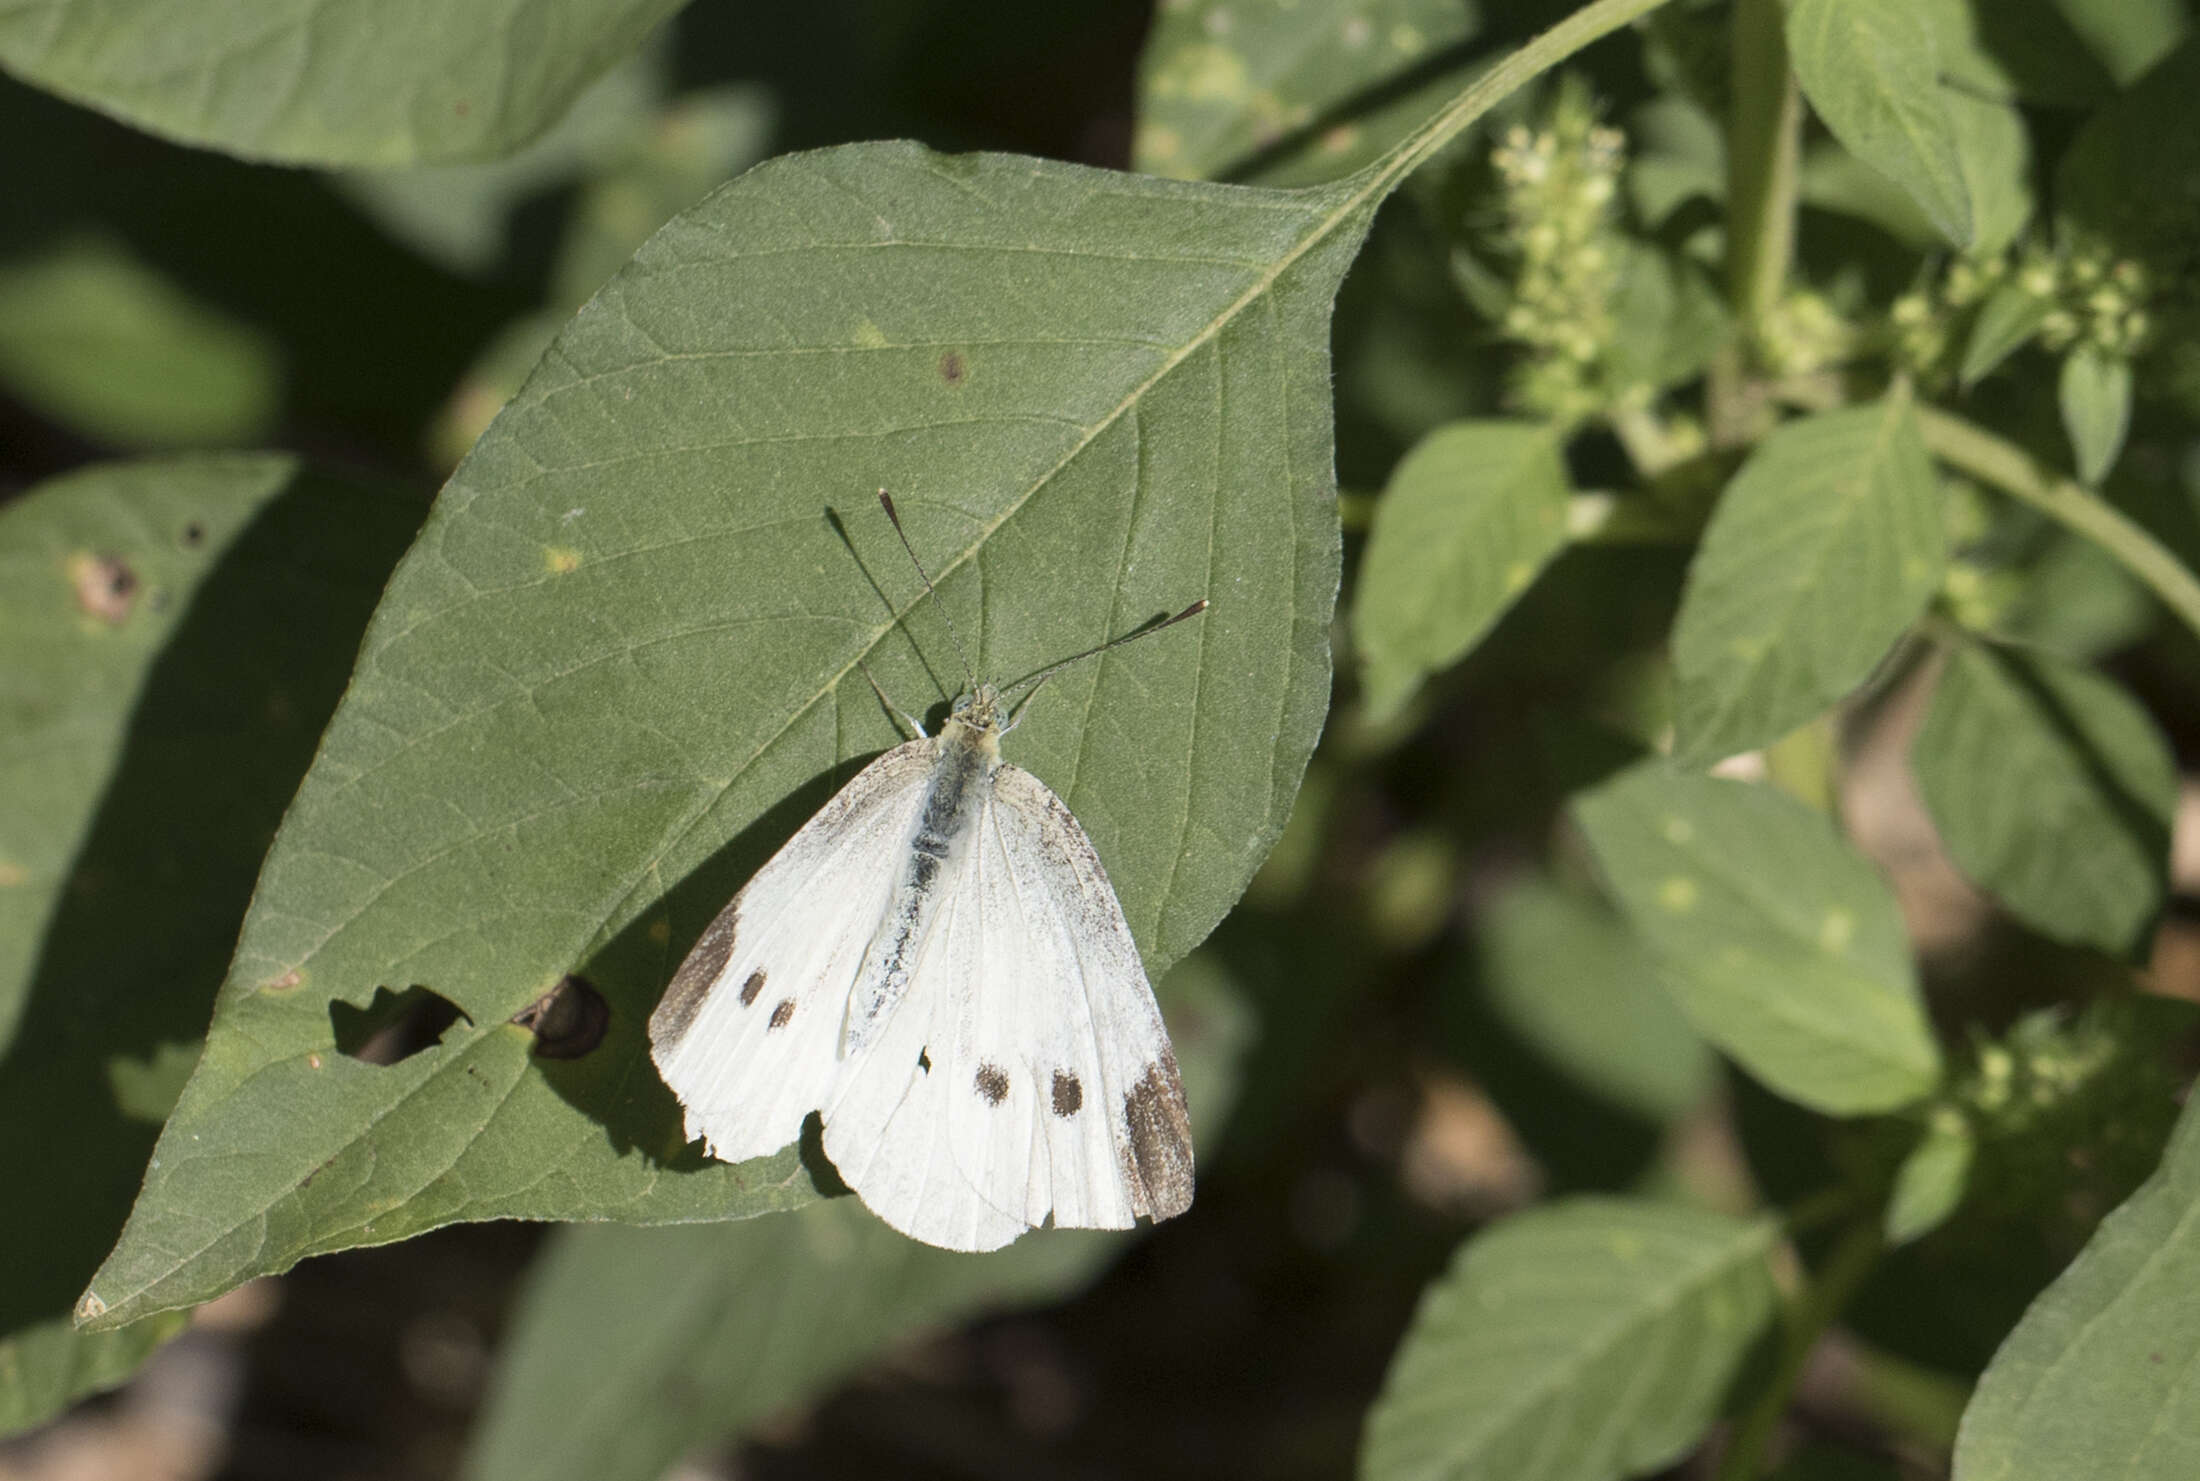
(981, 710)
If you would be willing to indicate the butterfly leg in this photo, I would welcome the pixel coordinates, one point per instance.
(891, 708)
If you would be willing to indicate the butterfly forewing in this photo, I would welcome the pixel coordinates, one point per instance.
(747, 1035)
(1108, 1096)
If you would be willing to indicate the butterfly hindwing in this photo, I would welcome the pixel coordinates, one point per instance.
(889, 1129)
(748, 1032)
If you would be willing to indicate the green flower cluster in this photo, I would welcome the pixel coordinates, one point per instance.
(2074, 1104)
(1559, 185)
(2078, 297)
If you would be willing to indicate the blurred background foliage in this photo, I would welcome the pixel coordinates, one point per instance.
(1425, 1012)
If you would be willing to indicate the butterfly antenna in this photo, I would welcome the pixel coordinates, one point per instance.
(886, 502)
(1145, 630)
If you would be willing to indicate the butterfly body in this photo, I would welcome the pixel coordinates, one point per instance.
(937, 964)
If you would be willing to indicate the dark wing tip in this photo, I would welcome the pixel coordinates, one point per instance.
(1159, 1134)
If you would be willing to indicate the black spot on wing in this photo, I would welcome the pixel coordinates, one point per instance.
(1157, 1145)
(697, 975)
(992, 1083)
(1068, 1094)
(751, 988)
(783, 1014)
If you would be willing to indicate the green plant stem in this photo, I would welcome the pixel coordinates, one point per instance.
(1763, 153)
(1993, 460)
(1536, 57)
(1808, 1316)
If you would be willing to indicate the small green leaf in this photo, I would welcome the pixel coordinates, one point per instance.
(1298, 94)
(1469, 520)
(1589, 1339)
(1929, 1185)
(1871, 70)
(2006, 322)
(173, 634)
(1572, 980)
(106, 346)
(331, 82)
(1821, 552)
(626, 658)
(2095, 392)
(2053, 790)
(2079, 601)
(1668, 320)
(632, 1347)
(2102, 1377)
(1778, 940)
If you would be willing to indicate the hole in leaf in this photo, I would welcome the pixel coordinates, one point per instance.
(395, 1026)
(567, 1021)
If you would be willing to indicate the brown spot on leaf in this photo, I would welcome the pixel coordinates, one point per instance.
(105, 586)
(192, 536)
(1157, 1145)
(1068, 1094)
(952, 368)
(705, 961)
(992, 1083)
(283, 983)
(567, 1021)
(783, 1014)
(752, 987)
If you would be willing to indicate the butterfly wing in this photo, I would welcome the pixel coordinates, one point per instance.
(1092, 1079)
(889, 1129)
(1027, 1069)
(748, 1033)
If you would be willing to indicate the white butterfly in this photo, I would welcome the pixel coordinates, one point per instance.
(937, 964)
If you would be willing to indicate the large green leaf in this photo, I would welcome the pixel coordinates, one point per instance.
(172, 637)
(2102, 1377)
(1779, 941)
(1822, 551)
(634, 1346)
(627, 657)
(1591, 1339)
(1470, 518)
(1298, 93)
(1871, 70)
(357, 82)
(2053, 789)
